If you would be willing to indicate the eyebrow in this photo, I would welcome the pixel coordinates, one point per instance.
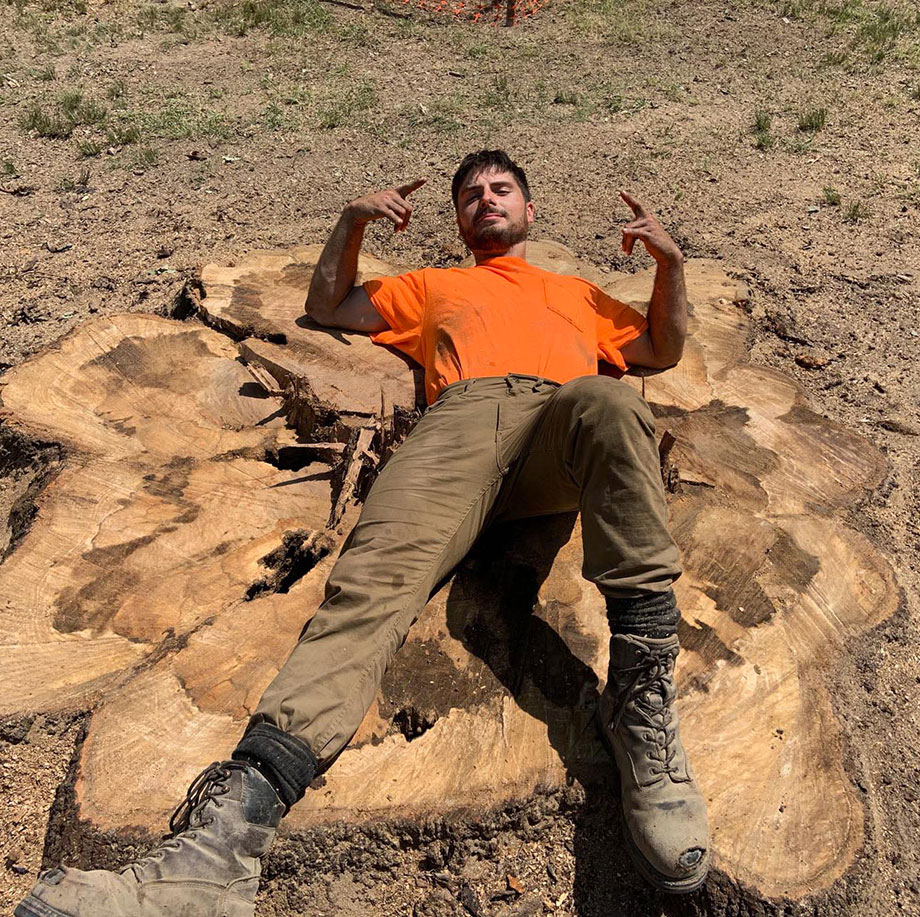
(501, 182)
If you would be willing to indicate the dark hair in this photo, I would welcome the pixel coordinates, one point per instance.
(488, 161)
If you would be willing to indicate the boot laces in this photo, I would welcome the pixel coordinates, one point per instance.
(649, 692)
(188, 817)
(211, 783)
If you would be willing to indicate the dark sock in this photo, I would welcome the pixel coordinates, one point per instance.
(654, 614)
(285, 761)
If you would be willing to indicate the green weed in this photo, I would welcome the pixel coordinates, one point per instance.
(565, 97)
(763, 138)
(123, 134)
(43, 123)
(831, 197)
(856, 212)
(116, 91)
(273, 118)
(90, 147)
(80, 183)
(812, 120)
(8, 169)
(45, 74)
(72, 109)
(145, 158)
(498, 95)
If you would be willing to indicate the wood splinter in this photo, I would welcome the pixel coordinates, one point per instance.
(362, 453)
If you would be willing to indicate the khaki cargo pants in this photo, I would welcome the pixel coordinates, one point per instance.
(488, 449)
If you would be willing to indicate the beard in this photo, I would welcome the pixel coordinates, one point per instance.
(493, 237)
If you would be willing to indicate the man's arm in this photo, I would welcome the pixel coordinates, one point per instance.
(663, 344)
(333, 298)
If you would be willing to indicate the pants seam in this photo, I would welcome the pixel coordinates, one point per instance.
(324, 737)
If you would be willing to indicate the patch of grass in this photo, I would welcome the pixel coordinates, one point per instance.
(565, 97)
(44, 123)
(831, 196)
(355, 99)
(161, 17)
(72, 109)
(498, 95)
(812, 120)
(355, 34)
(274, 118)
(856, 212)
(145, 158)
(45, 74)
(292, 18)
(442, 116)
(876, 28)
(123, 134)
(8, 169)
(763, 138)
(91, 146)
(618, 21)
(174, 118)
(80, 183)
(116, 91)
(297, 95)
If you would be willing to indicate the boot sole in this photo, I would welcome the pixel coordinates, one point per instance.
(33, 907)
(648, 872)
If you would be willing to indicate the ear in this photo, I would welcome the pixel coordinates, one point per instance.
(530, 212)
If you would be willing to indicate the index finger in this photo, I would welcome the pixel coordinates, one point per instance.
(637, 208)
(403, 190)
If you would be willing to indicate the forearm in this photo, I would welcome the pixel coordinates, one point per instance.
(337, 268)
(667, 311)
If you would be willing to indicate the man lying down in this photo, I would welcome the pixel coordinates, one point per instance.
(520, 423)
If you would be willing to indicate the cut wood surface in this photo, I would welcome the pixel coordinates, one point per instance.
(175, 557)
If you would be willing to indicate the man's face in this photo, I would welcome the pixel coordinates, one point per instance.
(492, 214)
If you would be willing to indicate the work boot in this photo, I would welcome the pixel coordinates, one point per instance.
(666, 829)
(207, 867)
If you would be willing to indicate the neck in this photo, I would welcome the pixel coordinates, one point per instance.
(518, 250)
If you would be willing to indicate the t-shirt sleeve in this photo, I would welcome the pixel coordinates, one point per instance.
(401, 302)
(617, 325)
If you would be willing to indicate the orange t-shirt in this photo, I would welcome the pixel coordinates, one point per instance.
(502, 316)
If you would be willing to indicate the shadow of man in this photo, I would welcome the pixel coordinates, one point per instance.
(540, 655)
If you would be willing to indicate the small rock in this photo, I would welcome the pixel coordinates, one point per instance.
(57, 247)
(470, 900)
(515, 884)
(164, 252)
(812, 358)
(197, 156)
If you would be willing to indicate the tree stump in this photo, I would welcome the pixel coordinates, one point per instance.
(211, 468)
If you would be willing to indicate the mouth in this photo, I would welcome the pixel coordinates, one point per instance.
(489, 217)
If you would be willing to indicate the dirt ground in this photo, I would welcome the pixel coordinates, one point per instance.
(138, 140)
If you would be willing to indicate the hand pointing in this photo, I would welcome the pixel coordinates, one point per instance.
(646, 227)
(390, 204)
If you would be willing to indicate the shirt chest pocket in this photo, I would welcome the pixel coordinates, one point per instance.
(561, 304)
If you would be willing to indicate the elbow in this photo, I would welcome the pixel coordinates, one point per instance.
(318, 311)
(668, 358)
